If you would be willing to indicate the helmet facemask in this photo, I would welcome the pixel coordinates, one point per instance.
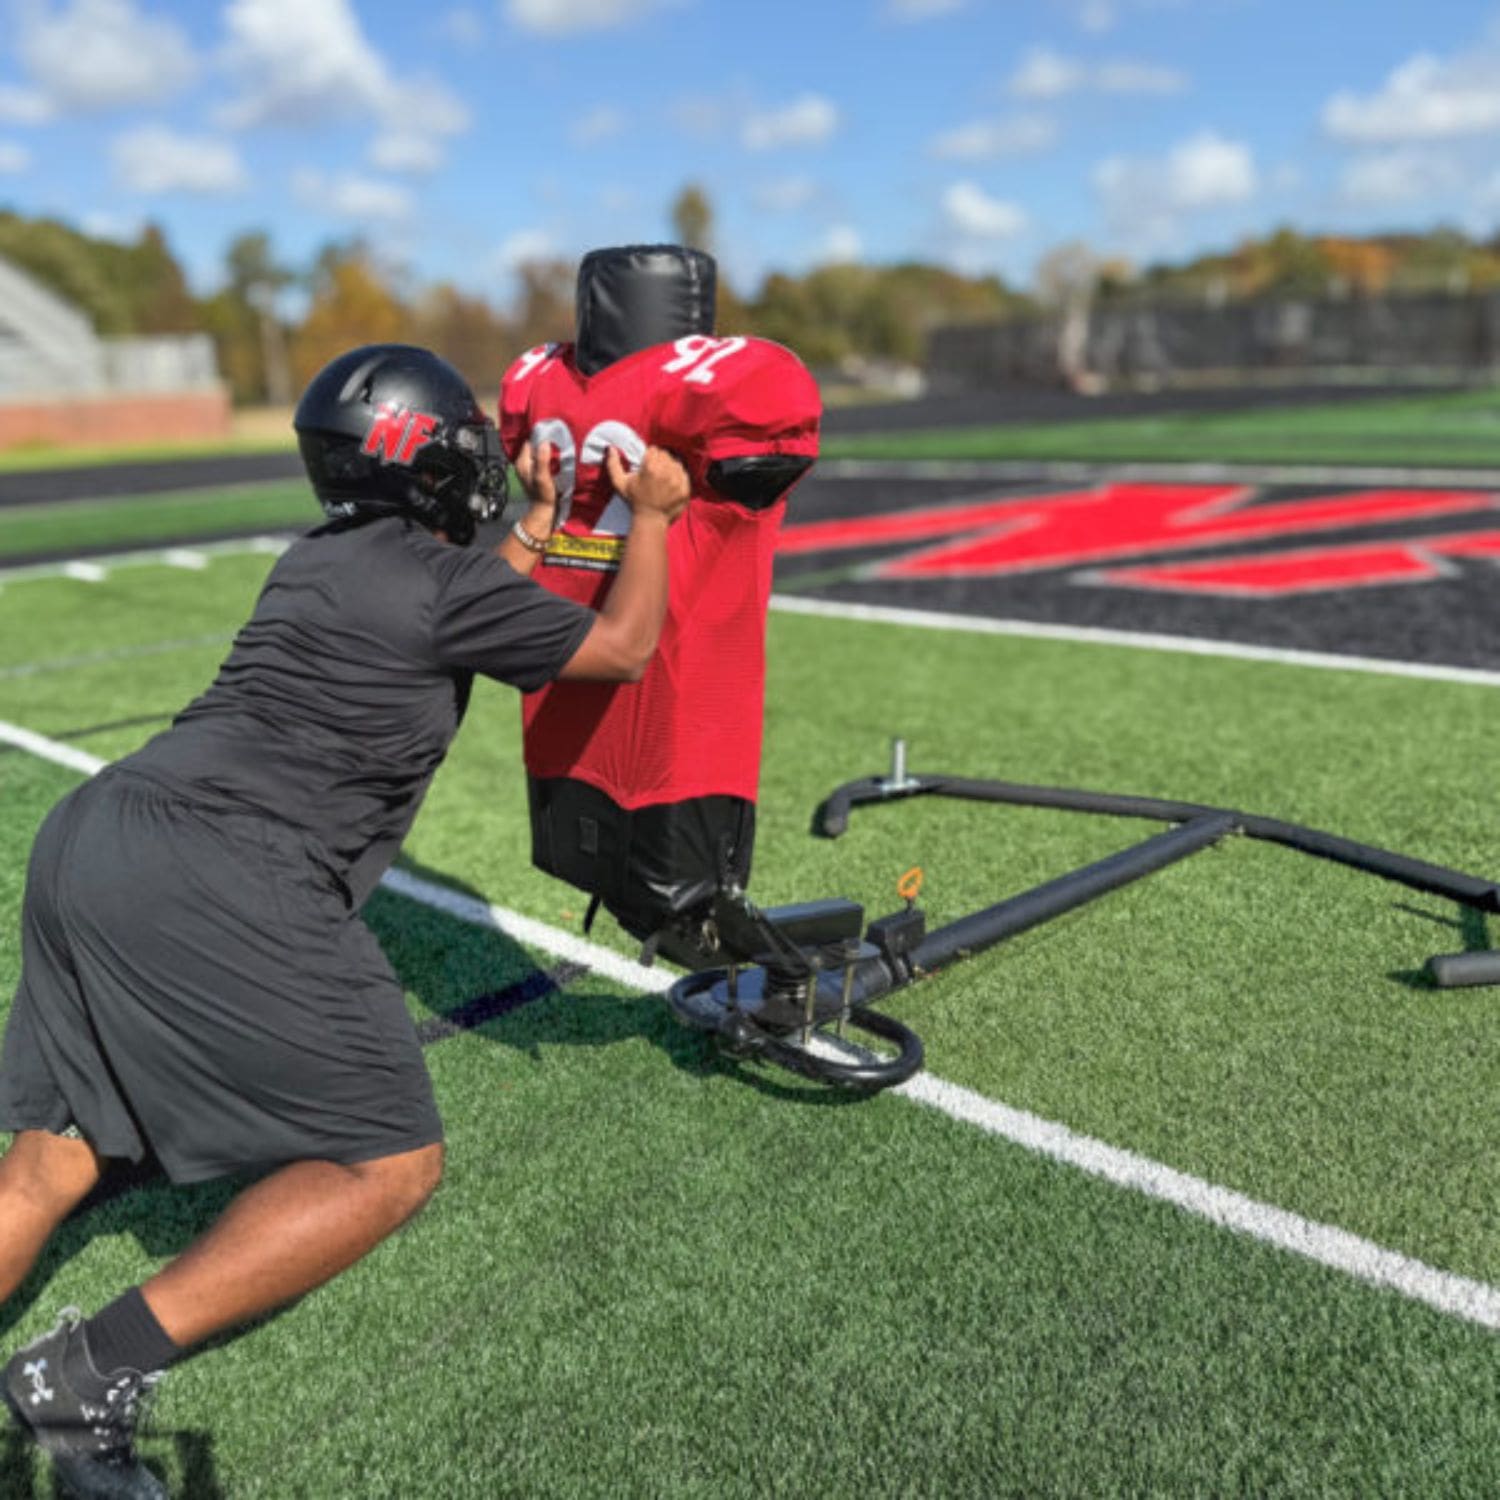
(460, 480)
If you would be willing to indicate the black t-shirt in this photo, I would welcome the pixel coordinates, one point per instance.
(342, 693)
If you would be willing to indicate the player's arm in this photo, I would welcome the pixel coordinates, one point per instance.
(484, 617)
(527, 539)
(619, 646)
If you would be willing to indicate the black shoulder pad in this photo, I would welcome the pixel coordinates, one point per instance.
(760, 480)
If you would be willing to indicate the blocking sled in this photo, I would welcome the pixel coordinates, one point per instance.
(795, 985)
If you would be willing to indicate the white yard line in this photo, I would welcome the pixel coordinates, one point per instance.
(93, 569)
(119, 653)
(53, 750)
(1325, 1244)
(1328, 1245)
(1088, 635)
(1070, 471)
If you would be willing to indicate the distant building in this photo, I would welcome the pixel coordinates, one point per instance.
(1152, 342)
(60, 383)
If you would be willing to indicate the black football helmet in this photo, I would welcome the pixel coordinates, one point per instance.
(390, 429)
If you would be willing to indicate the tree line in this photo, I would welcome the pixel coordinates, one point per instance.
(347, 295)
(831, 315)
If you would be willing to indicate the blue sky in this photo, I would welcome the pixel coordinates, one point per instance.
(461, 138)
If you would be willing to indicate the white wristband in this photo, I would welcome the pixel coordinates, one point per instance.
(525, 538)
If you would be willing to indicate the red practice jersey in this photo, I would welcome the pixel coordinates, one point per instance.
(692, 726)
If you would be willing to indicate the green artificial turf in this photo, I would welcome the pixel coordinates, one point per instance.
(650, 1273)
(141, 519)
(1460, 430)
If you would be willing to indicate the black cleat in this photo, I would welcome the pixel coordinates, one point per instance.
(91, 1439)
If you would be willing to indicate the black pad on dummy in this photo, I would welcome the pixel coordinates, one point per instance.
(633, 296)
(760, 479)
(649, 867)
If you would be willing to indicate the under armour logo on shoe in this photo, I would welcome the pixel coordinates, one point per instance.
(40, 1390)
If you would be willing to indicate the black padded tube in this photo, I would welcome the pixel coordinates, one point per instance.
(1451, 971)
(983, 929)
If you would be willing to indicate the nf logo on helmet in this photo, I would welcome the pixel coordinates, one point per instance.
(397, 435)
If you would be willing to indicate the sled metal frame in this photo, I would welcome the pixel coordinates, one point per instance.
(797, 979)
(983, 929)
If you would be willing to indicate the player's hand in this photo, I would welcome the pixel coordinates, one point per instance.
(534, 470)
(660, 485)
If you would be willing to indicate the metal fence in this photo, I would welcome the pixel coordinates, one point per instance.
(1163, 342)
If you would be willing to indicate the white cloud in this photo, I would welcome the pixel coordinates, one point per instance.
(14, 157)
(299, 62)
(103, 225)
(970, 212)
(521, 246)
(1397, 177)
(1097, 16)
(100, 54)
(1122, 76)
(807, 121)
(1207, 171)
(406, 153)
(700, 115)
(985, 140)
(1427, 98)
(565, 17)
(784, 196)
(362, 200)
(155, 159)
(462, 26)
(1286, 178)
(597, 125)
(1045, 74)
(841, 245)
(419, 118)
(922, 10)
(20, 106)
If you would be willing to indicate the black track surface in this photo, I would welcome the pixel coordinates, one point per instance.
(108, 480)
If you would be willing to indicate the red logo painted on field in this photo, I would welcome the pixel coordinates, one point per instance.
(397, 434)
(1116, 522)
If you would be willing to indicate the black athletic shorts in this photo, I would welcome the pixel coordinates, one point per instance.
(194, 984)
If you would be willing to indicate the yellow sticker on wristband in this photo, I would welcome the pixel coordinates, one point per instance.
(601, 553)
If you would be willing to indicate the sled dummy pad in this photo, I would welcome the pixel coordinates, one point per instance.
(642, 794)
(647, 867)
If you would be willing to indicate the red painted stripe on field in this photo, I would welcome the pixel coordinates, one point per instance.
(1283, 573)
(982, 516)
(1126, 520)
(1471, 544)
(1280, 574)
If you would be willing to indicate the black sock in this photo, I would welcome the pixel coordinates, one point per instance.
(125, 1336)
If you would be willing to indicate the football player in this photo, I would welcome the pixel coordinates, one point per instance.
(644, 794)
(196, 980)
